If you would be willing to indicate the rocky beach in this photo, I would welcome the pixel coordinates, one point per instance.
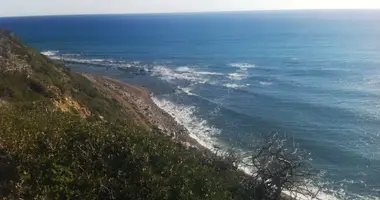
(138, 101)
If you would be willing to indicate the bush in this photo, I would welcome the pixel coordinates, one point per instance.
(52, 155)
(278, 167)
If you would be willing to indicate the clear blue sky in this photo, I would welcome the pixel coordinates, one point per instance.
(57, 7)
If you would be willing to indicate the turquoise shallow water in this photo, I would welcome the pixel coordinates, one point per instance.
(233, 77)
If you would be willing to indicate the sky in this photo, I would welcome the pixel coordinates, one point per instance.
(61, 7)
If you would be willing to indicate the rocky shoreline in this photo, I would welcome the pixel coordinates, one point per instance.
(137, 100)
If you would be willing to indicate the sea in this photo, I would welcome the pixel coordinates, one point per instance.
(234, 78)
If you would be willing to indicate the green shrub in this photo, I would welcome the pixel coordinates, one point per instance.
(61, 156)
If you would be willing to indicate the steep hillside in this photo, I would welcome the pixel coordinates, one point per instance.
(66, 135)
(28, 76)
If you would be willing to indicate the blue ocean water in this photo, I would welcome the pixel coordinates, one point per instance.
(231, 78)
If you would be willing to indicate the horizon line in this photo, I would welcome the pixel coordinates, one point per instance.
(197, 12)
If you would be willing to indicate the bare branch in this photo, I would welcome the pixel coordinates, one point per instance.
(277, 167)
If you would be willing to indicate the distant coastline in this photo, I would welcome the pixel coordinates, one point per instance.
(285, 11)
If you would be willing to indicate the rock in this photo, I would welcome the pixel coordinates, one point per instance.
(187, 145)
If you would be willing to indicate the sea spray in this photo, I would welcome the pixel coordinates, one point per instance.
(200, 130)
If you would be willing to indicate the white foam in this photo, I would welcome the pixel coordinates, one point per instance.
(93, 61)
(181, 73)
(72, 54)
(168, 74)
(243, 66)
(237, 76)
(203, 133)
(49, 53)
(210, 73)
(187, 69)
(68, 57)
(55, 53)
(183, 69)
(265, 83)
(187, 91)
(236, 86)
(198, 128)
(242, 72)
(312, 189)
(78, 60)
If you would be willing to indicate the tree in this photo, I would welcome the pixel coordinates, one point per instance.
(276, 168)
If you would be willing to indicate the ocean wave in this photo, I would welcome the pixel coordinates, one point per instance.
(242, 72)
(312, 189)
(186, 69)
(199, 129)
(74, 58)
(56, 53)
(328, 193)
(266, 83)
(95, 61)
(236, 86)
(164, 72)
(243, 66)
(85, 61)
(183, 69)
(50, 53)
(183, 73)
(237, 76)
(187, 90)
(72, 54)
(209, 73)
(191, 70)
(168, 74)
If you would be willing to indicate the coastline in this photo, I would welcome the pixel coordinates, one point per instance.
(137, 100)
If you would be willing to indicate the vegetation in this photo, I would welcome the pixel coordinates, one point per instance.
(98, 103)
(55, 155)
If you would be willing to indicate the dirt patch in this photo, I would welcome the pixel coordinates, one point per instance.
(68, 104)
